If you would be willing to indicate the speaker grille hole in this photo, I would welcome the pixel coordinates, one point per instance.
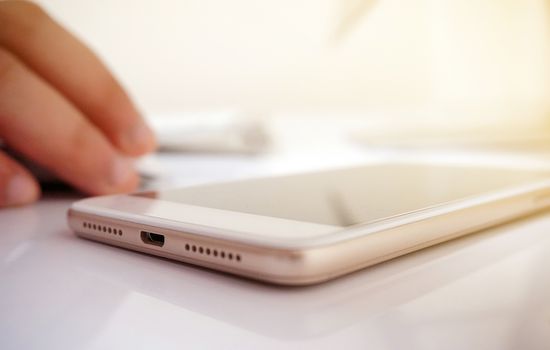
(102, 228)
(216, 253)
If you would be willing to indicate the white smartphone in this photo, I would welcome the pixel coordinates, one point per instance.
(312, 227)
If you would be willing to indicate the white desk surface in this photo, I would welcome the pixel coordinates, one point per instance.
(489, 290)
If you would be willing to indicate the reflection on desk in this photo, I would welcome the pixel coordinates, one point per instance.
(488, 290)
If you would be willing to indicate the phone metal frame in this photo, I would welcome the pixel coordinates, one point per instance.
(309, 258)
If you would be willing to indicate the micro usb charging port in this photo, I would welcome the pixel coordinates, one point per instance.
(152, 238)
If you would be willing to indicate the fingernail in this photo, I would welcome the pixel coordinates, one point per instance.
(139, 136)
(20, 190)
(122, 171)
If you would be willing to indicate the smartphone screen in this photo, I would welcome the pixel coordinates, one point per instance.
(346, 197)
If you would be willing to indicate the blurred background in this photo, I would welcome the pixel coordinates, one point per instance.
(405, 67)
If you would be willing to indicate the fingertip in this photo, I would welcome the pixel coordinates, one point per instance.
(137, 140)
(129, 184)
(21, 189)
(121, 177)
(124, 177)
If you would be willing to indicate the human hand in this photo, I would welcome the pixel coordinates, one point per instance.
(61, 108)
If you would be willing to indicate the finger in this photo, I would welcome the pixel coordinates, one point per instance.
(38, 122)
(17, 185)
(76, 72)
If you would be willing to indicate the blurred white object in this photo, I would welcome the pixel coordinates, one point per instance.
(505, 139)
(211, 132)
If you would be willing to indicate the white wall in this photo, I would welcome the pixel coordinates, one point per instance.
(446, 59)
